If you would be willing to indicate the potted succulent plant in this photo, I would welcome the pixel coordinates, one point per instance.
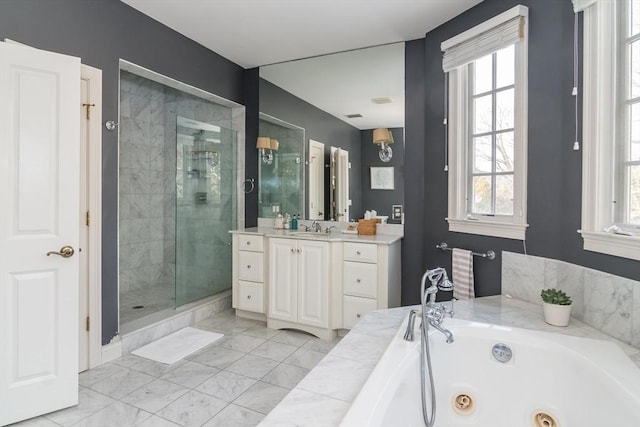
(556, 306)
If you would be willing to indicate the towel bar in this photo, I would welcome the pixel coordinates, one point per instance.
(489, 254)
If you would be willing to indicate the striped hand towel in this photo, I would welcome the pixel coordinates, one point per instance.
(462, 261)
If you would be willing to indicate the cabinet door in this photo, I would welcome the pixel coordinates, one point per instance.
(313, 283)
(283, 279)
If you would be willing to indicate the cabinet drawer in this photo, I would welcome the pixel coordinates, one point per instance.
(354, 308)
(250, 266)
(250, 242)
(360, 279)
(360, 252)
(251, 296)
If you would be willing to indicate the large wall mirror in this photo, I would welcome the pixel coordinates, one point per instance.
(331, 105)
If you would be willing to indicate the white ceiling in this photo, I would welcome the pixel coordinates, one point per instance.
(255, 33)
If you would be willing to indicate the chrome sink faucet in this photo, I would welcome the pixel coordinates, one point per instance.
(316, 226)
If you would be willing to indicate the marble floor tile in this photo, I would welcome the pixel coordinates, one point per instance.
(155, 369)
(36, 422)
(304, 358)
(287, 376)
(128, 360)
(261, 397)
(252, 366)
(89, 402)
(118, 413)
(243, 343)
(235, 416)
(218, 357)
(226, 385)
(193, 409)
(156, 421)
(190, 374)
(321, 346)
(155, 395)
(122, 383)
(274, 350)
(98, 374)
(261, 331)
(292, 338)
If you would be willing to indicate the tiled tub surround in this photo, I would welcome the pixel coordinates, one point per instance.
(324, 396)
(604, 301)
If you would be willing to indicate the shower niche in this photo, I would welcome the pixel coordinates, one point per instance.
(178, 194)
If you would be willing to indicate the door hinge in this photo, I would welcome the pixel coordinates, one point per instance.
(88, 323)
(88, 218)
(88, 111)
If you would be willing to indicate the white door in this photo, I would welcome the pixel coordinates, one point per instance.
(313, 283)
(39, 179)
(342, 186)
(316, 180)
(283, 279)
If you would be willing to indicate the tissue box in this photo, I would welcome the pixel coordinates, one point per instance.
(367, 226)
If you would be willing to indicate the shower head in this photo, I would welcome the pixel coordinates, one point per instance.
(446, 284)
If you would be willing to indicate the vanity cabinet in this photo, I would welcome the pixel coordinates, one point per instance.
(248, 273)
(299, 274)
(370, 279)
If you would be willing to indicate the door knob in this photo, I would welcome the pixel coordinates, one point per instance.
(65, 252)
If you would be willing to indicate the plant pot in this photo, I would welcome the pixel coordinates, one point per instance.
(556, 315)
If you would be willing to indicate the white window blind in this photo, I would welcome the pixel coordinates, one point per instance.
(476, 46)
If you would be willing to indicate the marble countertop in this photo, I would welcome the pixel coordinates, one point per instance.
(324, 396)
(380, 239)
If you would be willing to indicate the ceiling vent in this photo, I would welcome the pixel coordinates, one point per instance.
(354, 116)
(382, 100)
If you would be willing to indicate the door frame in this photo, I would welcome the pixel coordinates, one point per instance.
(94, 204)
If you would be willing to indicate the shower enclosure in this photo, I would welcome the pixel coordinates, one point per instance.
(178, 197)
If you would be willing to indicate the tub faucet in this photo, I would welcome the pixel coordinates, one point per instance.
(433, 312)
(408, 334)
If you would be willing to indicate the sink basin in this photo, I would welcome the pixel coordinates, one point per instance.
(310, 234)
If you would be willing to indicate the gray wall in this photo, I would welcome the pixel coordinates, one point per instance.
(554, 169)
(319, 126)
(101, 32)
(381, 200)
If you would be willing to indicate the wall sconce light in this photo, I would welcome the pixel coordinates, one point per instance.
(264, 146)
(384, 137)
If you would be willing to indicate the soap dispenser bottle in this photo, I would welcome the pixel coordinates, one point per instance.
(294, 222)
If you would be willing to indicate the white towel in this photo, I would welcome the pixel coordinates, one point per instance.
(462, 268)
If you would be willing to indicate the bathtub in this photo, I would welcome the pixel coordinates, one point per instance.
(551, 380)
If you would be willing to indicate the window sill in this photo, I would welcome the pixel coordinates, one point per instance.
(612, 244)
(505, 230)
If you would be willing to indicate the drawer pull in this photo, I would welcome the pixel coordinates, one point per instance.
(357, 252)
(299, 250)
(248, 243)
(293, 251)
(249, 266)
(358, 315)
(358, 280)
(248, 296)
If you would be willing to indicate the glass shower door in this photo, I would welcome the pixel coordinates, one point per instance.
(206, 208)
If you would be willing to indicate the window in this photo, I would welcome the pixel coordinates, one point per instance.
(487, 68)
(611, 127)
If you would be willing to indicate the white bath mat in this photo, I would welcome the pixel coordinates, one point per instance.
(177, 346)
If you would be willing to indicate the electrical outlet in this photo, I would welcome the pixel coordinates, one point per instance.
(396, 212)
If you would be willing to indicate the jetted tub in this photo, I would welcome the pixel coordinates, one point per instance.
(551, 380)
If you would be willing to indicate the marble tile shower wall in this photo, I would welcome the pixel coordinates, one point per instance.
(601, 300)
(147, 194)
(282, 182)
